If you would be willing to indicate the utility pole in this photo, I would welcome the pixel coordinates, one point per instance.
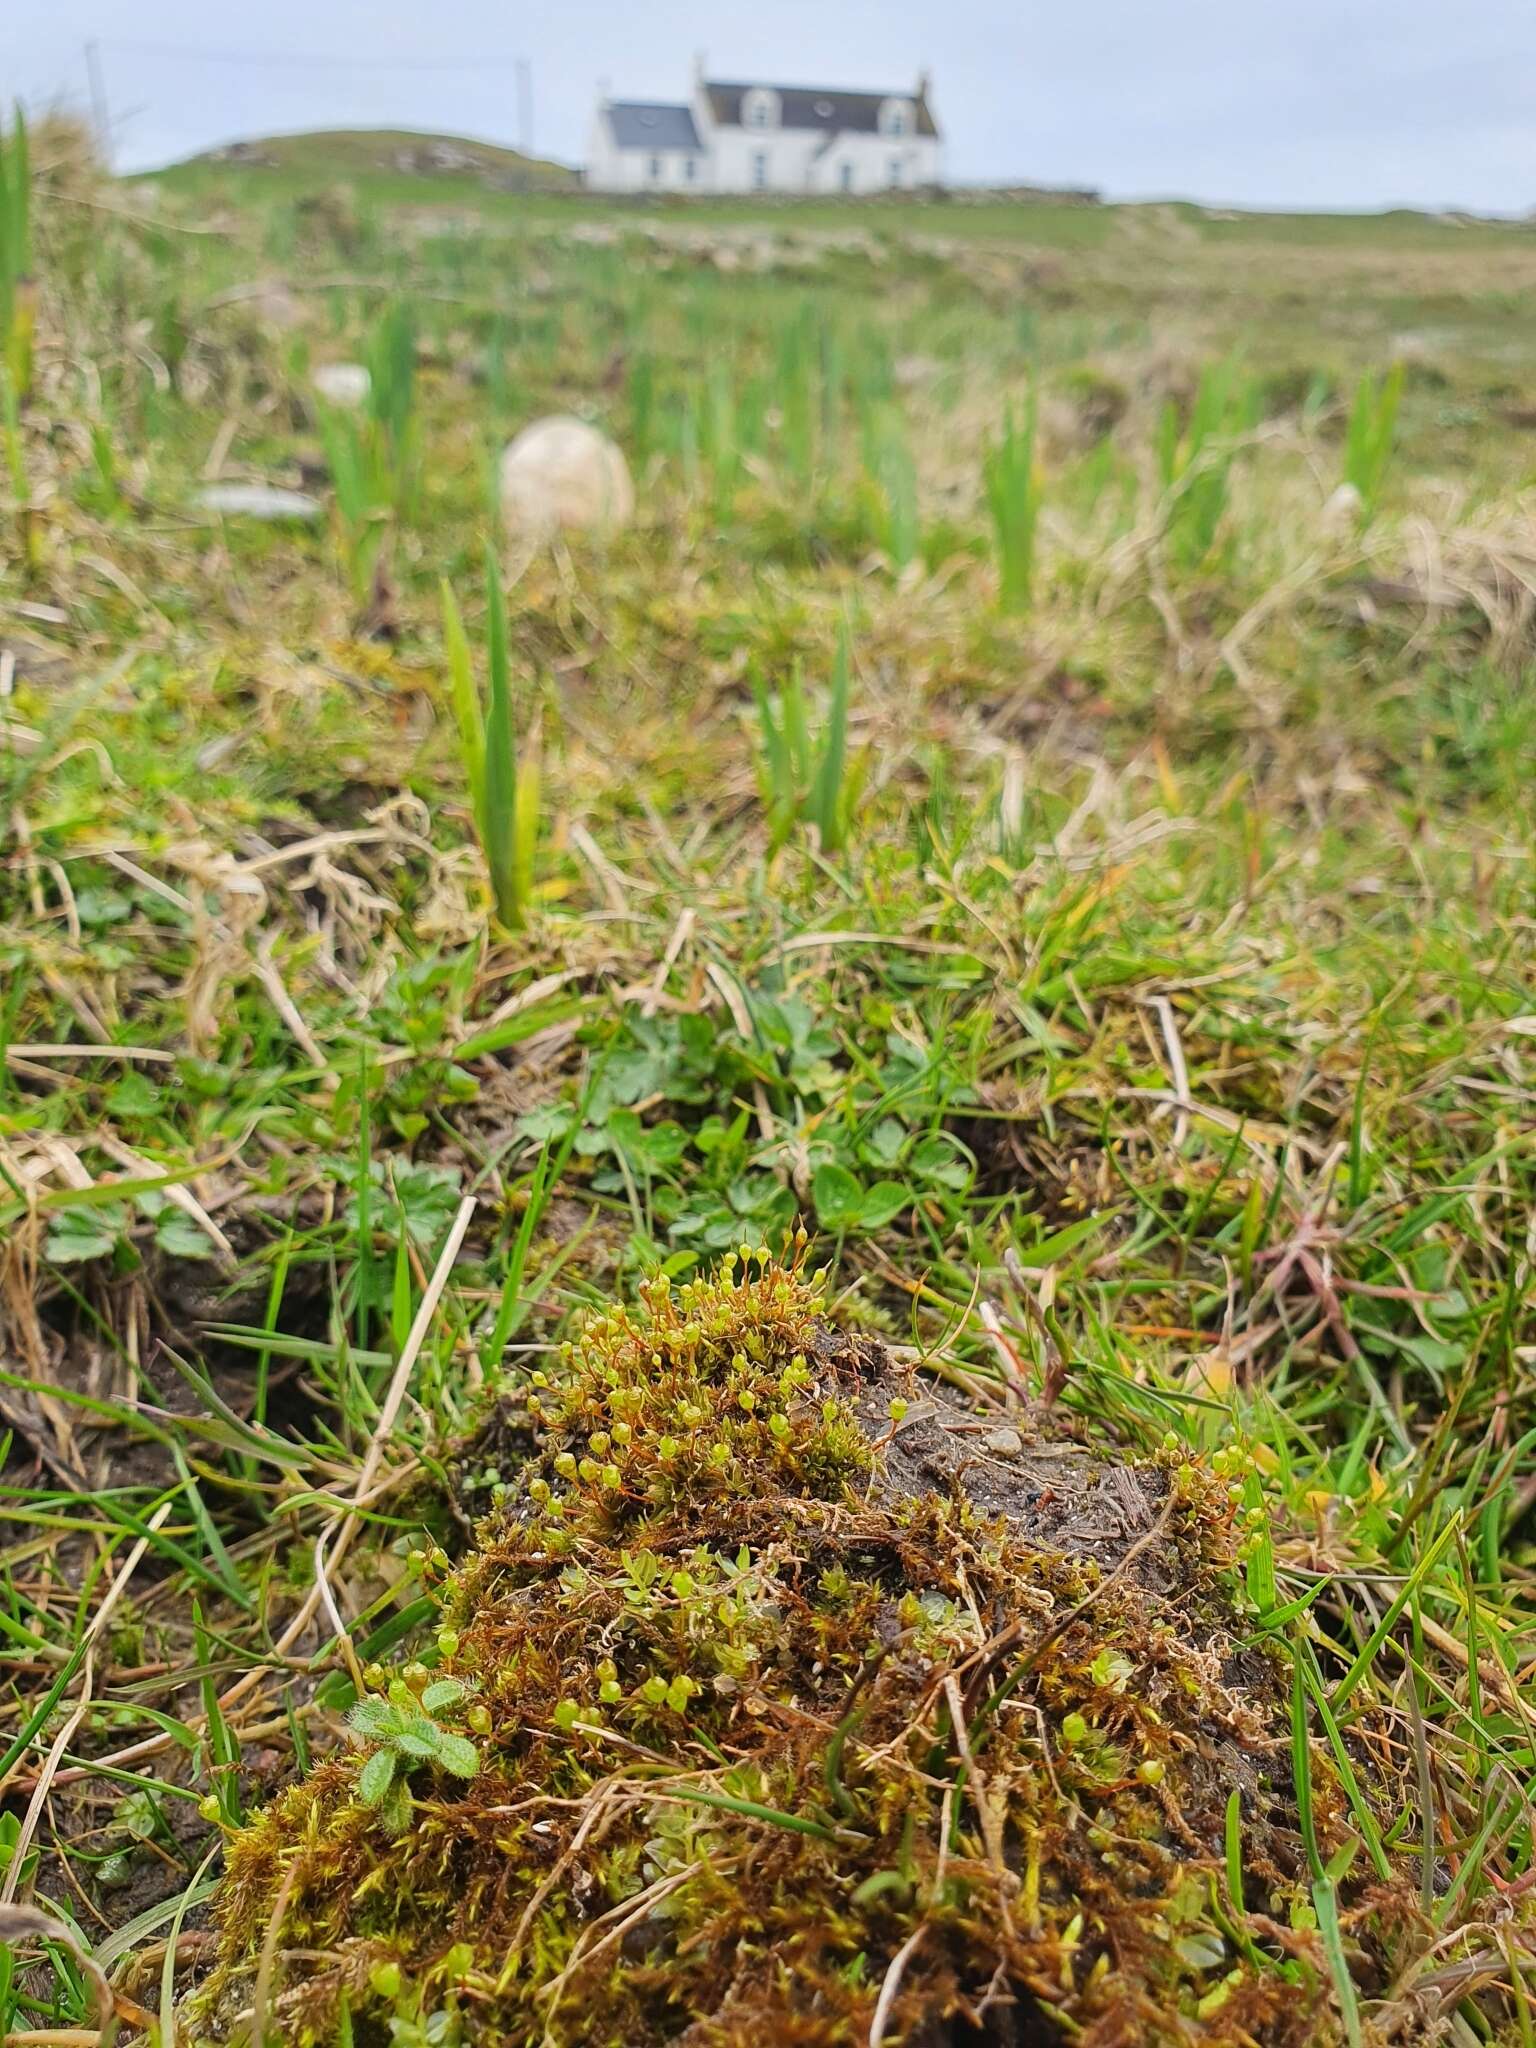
(100, 118)
(524, 106)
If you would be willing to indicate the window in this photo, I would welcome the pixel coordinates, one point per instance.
(759, 114)
(655, 170)
(898, 121)
(895, 171)
(845, 176)
(760, 107)
(690, 168)
(759, 169)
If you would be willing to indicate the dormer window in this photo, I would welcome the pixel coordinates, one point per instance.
(760, 108)
(896, 117)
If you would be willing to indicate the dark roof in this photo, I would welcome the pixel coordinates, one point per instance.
(645, 124)
(827, 109)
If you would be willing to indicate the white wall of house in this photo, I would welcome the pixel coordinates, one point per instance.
(704, 122)
(768, 158)
(878, 163)
(610, 169)
(794, 160)
(762, 156)
(605, 166)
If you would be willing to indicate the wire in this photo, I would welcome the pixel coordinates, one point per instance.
(177, 52)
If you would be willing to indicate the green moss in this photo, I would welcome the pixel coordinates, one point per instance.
(748, 1725)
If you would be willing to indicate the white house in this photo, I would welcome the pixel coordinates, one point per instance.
(766, 138)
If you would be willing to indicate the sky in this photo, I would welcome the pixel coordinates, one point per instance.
(1309, 103)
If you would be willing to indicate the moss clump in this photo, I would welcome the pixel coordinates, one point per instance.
(765, 1744)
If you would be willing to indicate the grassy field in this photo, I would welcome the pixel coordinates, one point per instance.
(330, 156)
(1012, 928)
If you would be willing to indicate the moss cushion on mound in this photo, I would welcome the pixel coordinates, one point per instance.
(788, 1698)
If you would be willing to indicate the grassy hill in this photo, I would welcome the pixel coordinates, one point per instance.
(1170, 239)
(330, 153)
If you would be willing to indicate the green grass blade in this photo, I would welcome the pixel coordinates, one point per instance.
(500, 823)
(21, 196)
(752, 1809)
(1301, 1768)
(827, 808)
(1364, 1819)
(775, 773)
(525, 832)
(1388, 1621)
(1325, 1902)
(466, 704)
(1234, 1849)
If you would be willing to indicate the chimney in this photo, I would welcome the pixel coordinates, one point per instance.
(604, 92)
(924, 81)
(700, 66)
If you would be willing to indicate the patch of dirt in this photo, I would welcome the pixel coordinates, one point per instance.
(1001, 1463)
(1070, 707)
(160, 1309)
(1015, 1153)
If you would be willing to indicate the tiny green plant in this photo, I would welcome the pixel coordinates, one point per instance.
(1013, 499)
(28, 532)
(392, 400)
(720, 438)
(1372, 432)
(44, 1962)
(361, 500)
(803, 778)
(503, 781)
(892, 477)
(798, 393)
(1194, 464)
(372, 457)
(101, 487)
(498, 386)
(408, 1736)
(17, 310)
(642, 406)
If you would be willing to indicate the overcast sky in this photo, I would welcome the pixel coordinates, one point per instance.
(1307, 102)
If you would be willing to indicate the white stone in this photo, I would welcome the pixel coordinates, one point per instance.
(561, 474)
(1003, 1443)
(1342, 511)
(258, 501)
(343, 383)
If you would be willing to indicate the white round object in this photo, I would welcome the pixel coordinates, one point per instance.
(561, 474)
(1343, 509)
(343, 383)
